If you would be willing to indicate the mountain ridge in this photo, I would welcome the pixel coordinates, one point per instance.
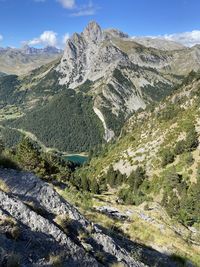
(118, 74)
(22, 60)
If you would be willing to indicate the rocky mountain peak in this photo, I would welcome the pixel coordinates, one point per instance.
(116, 33)
(76, 38)
(92, 32)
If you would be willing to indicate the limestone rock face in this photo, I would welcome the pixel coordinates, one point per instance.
(28, 228)
(41, 229)
(126, 74)
(92, 33)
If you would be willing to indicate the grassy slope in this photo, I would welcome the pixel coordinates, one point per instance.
(141, 143)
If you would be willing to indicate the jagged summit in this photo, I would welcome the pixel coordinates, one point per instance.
(92, 32)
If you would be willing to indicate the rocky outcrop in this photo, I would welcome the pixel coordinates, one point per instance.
(112, 212)
(29, 227)
(109, 134)
(87, 56)
(40, 227)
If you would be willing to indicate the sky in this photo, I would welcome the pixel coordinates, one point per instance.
(50, 22)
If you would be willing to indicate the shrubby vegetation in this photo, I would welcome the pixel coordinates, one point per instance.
(167, 157)
(169, 113)
(188, 144)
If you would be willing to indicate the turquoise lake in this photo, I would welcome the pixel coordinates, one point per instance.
(76, 158)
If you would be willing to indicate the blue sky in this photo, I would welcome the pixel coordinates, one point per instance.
(42, 22)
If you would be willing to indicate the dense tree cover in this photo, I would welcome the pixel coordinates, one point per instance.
(8, 85)
(181, 200)
(50, 166)
(136, 178)
(135, 193)
(114, 177)
(191, 141)
(67, 123)
(158, 91)
(179, 147)
(112, 121)
(11, 137)
(193, 75)
(85, 87)
(95, 189)
(85, 184)
(190, 205)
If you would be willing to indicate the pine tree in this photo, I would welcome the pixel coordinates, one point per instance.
(85, 183)
(95, 187)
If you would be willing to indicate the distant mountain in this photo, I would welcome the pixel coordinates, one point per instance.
(159, 43)
(25, 59)
(110, 77)
(35, 51)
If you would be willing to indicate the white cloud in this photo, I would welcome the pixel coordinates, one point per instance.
(65, 38)
(1, 37)
(68, 4)
(85, 10)
(185, 38)
(78, 10)
(50, 38)
(46, 38)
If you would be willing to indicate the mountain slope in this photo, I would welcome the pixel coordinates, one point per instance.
(39, 227)
(67, 123)
(159, 43)
(156, 162)
(119, 76)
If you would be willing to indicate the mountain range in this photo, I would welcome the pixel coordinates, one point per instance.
(131, 104)
(22, 60)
